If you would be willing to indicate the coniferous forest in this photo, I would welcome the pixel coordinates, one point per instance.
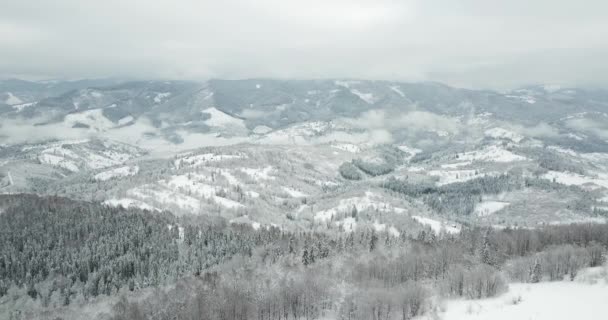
(58, 253)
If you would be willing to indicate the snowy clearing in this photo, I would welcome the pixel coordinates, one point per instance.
(487, 208)
(160, 96)
(58, 161)
(221, 119)
(500, 133)
(397, 90)
(370, 201)
(93, 119)
(129, 203)
(491, 154)
(367, 97)
(126, 120)
(294, 193)
(453, 176)
(259, 174)
(349, 147)
(20, 107)
(261, 129)
(203, 159)
(569, 178)
(117, 173)
(12, 99)
(455, 165)
(193, 184)
(437, 226)
(540, 301)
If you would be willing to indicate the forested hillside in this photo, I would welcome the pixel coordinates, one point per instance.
(58, 253)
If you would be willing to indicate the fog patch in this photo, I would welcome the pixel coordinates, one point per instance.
(595, 127)
(414, 121)
(541, 130)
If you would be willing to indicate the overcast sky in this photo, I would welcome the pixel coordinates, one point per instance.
(471, 43)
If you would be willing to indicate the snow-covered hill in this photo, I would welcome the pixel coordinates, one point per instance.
(306, 153)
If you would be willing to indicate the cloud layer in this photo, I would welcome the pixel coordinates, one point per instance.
(473, 43)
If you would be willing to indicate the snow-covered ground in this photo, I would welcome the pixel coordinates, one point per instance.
(10, 178)
(129, 203)
(397, 90)
(294, 193)
(455, 165)
(161, 96)
(349, 147)
(203, 159)
(453, 176)
(526, 98)
(491, 154)
(94, 119)
(540, 301)
(221, 119)
(77, 155)
(381, 227)
(125, 120)
(58, 161)
(569, 178)
(410, 151)
(195, 184)
(12, 99)
(261, 129)
(125, 171)
(21, 106)
(259, 174)
(500, 133)
(436, 225)
(489, 207)
(367, 97)
(369, 201)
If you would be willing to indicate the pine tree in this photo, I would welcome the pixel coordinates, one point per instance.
(305, 257)
(373, 242)
(536, 272)
(487, 255)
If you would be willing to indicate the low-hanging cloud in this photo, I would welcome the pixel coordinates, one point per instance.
(541, 130)
(597, 127)
(411, 121)
(473, 43)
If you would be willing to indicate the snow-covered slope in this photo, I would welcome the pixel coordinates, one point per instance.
(563, 300)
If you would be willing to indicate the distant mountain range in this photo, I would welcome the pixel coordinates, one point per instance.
(320, 153)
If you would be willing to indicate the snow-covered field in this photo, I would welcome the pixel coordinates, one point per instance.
(125, 171)
(491, 154)
(20, 107)
(12, 99)
(541, 301)
(436, 225)
(453, 176)
(489, 207)
(129, 203)
(94, 119)
(500, 133)
(161, 96)
(203, 159)
(455, 165)
(349, 147)
(294, 193)
(369, 201)
(58, 161)
(221, 119)
(76, 156)
(569, 178)
(259, 174)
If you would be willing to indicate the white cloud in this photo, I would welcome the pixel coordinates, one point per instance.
(469, 43)
(413, 121)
